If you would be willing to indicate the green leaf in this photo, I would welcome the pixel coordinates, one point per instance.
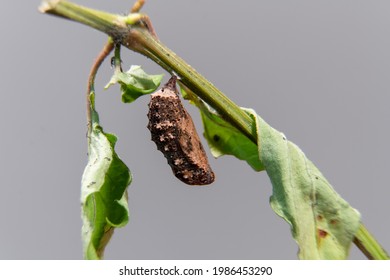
(103, 192)
(135, 83)
(223, 138)
(322, 223)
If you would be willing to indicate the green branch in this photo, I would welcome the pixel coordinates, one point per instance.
(138, 38)
(105, 22)
(154, 49)
(135, 32)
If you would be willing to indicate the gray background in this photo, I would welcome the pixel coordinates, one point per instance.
(316, 70)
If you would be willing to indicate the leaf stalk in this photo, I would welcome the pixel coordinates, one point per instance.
(368, 245)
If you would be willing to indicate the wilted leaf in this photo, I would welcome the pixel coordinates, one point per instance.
(135, 83)
(322, 223)
(103, 192)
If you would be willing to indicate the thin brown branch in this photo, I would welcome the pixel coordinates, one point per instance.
(108, 47)
(137, 6)
(144, 18)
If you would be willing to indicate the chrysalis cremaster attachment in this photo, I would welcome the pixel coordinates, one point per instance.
(175, 135)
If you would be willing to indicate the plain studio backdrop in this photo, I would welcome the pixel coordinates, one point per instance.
(316, 70)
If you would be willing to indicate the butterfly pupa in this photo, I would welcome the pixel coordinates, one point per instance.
(174, 133)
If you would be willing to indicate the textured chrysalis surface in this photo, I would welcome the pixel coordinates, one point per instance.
(175, 135)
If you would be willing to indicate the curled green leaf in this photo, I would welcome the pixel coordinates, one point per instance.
(135, 83)
(103, 192)
(222, 137)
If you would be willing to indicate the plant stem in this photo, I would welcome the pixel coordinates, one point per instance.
(139, 37)
(137, 6)
(105, 22)
(149, 46)
(368, 245)
(108, 47)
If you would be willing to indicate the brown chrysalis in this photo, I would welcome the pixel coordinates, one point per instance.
(175, 135)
